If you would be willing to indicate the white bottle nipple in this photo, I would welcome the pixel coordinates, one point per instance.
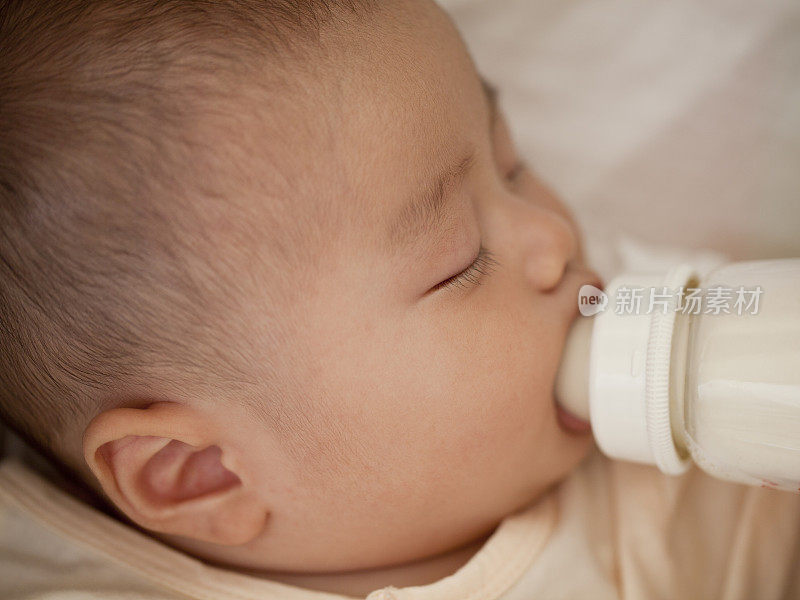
(572, 381)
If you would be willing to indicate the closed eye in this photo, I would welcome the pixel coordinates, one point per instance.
(483, 264)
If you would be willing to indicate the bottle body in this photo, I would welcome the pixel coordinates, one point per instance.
(741, 408)
(695, 379)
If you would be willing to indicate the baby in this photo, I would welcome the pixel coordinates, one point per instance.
(276, 286)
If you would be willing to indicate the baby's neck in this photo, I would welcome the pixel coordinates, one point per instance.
(361, 583)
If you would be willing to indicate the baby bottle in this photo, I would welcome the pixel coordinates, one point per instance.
(673, 369)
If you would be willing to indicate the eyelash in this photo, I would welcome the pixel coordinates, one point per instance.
(483, 264)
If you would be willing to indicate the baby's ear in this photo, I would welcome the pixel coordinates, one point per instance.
(162, 466)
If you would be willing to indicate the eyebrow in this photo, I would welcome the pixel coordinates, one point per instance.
(426, 210)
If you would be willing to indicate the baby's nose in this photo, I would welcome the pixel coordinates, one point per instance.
(549, 243)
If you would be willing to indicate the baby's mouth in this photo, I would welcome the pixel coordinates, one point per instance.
(569, 421)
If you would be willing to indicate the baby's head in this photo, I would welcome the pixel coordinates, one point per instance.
(273, 277)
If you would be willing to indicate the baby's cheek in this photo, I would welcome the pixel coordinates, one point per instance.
(508, 404)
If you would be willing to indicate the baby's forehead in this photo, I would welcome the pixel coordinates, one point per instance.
(391, 113)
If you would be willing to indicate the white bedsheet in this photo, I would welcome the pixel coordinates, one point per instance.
(673, 121)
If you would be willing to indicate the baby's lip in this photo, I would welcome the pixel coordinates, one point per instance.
(570, 422)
